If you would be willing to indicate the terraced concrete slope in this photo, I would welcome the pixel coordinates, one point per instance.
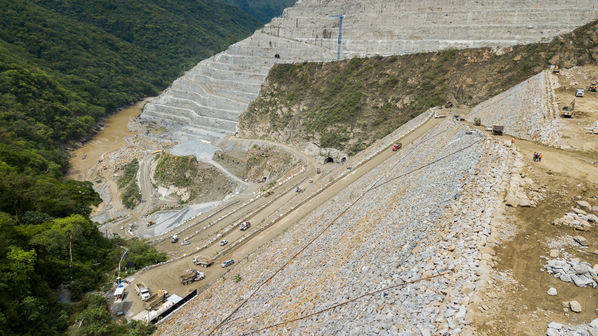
(207, 100)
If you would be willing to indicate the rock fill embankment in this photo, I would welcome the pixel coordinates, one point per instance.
(529, 110)
(425, 211)
(207, 100)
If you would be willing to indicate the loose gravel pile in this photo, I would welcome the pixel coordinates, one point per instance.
(425, 211)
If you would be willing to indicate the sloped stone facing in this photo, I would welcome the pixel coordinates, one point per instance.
(222, 86)
(528, 110)
(432, 220)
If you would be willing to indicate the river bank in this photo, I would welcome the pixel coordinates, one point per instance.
(110, 138)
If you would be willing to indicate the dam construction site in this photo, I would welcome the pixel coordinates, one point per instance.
(367, 168)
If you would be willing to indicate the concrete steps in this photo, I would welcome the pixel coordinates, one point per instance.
(222, 86)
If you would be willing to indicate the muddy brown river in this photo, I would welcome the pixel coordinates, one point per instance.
(111, 138)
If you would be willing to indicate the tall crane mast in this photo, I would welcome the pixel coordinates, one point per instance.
(340, 33)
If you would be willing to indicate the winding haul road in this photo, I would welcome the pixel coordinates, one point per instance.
(270, 216)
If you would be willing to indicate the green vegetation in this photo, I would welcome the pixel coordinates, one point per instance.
(130, 194)
(64, 64)
(142, 254)
(95, 320)
(237, 278)
(349, 104)
(262, 10)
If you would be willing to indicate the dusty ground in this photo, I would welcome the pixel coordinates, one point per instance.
(586, 108)
(515, 301)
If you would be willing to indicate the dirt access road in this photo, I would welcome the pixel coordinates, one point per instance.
(166, 277)
(516, 302)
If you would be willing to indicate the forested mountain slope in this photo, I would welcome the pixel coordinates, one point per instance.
(262, 10)
(64, 64)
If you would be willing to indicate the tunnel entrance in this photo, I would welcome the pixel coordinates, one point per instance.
(329, 160)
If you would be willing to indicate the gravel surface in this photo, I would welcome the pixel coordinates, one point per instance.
(529, 110)
(422, 222)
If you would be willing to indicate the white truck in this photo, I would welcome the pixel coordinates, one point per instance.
(142, 291)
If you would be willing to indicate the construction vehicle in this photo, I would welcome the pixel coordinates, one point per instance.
(449, 104)
(593, 87)
(555, 69)
(268, 193)
(245, 225)
(497, 130)
(142, 291)
(397, 146)
(477, 121)
(150, 223)
(174, 239)
(190, 276)
(568, 112)
(156, 299)
(579, 92)
(202, 261)
(439, 115)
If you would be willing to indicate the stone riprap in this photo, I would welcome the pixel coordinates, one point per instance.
(208, 99)
(558, 329)
(580, 273)
(528, 110)
(428, 213)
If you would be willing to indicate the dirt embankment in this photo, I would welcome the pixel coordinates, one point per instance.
(347, 105)
(186, 179)
(258, 162)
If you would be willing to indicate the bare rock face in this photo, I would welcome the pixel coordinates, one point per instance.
(207, 100)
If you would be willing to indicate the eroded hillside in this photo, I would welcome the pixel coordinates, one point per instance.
(347, 105)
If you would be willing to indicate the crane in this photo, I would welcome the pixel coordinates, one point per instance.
(340, 32)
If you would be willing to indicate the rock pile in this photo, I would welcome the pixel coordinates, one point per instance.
(578, 217)
(582, 274)
(558, 329)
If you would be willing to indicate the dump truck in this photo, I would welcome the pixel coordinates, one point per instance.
(477, 121)
(190, 276)
(150, 223)
(268, 193)
(439, 115)
(142, 290)
(156, 299)
(202, 261)
(497, 130)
